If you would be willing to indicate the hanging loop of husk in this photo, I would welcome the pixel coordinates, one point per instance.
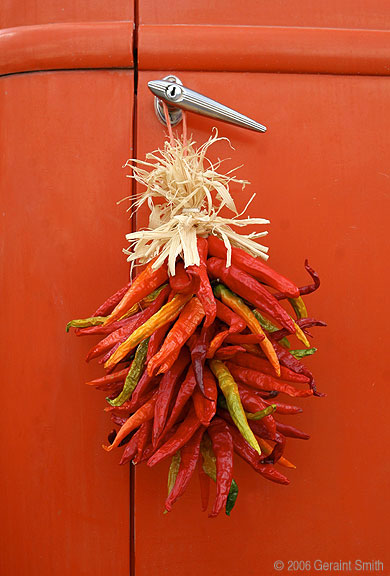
(190, 195)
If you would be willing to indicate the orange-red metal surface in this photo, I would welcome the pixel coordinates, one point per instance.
(64, 137)
(33, 12)
(321, 176)
(364, 14)
(66, 46)
(263, 49)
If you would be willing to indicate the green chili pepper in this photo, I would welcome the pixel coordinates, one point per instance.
(270, 327)
(299, 307)
(262, 413)
(232, 497)
(173, 472)
(230, 390)
(85, 322)
(302, 353)
(133, 375)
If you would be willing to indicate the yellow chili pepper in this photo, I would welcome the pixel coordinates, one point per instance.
(209, 461)
(166, 314)
(232, 396)
(299, 307)
(301, 335)
(85, 322)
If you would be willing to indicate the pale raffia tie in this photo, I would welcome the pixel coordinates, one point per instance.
(191, 194)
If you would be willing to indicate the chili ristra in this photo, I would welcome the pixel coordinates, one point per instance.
(194, 363)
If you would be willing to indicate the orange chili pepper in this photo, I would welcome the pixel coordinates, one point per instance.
(166, 314)
(267, 449)
(144, 284)
(190, 317)
(142, 415)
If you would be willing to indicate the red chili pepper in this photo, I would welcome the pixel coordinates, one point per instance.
(286, 409)
(118, 420)
(181, 281)
(253, 403)
(189, 458)
(145, 283)
(303, 323)
(142, 415)
(251, 456)
(251, 290)
(144, 436)
(261, 431)
(190, 317)
(109, 379)
(243, 339)
(109, 305)
(303, 290)
(166, 393)
(206, 404)
(131, 449)
(116, 338)
(264, 381)
(204, 483)
(184, 432)
(228, 352)
(257, 268)
(262, 365)
(291, 431)
(295, 365)
(199, 346)
(221, 439)
(234, 321)
(129, 406)
(204, 292)
(186, 390)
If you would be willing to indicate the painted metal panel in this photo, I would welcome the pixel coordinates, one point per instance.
(321, 176)
(64, 138)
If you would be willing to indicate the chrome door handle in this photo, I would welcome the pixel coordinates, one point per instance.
(178, 97)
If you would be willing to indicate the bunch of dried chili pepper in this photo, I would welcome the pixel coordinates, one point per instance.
(195, 361)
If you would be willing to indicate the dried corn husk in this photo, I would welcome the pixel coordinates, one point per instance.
(191, 194)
